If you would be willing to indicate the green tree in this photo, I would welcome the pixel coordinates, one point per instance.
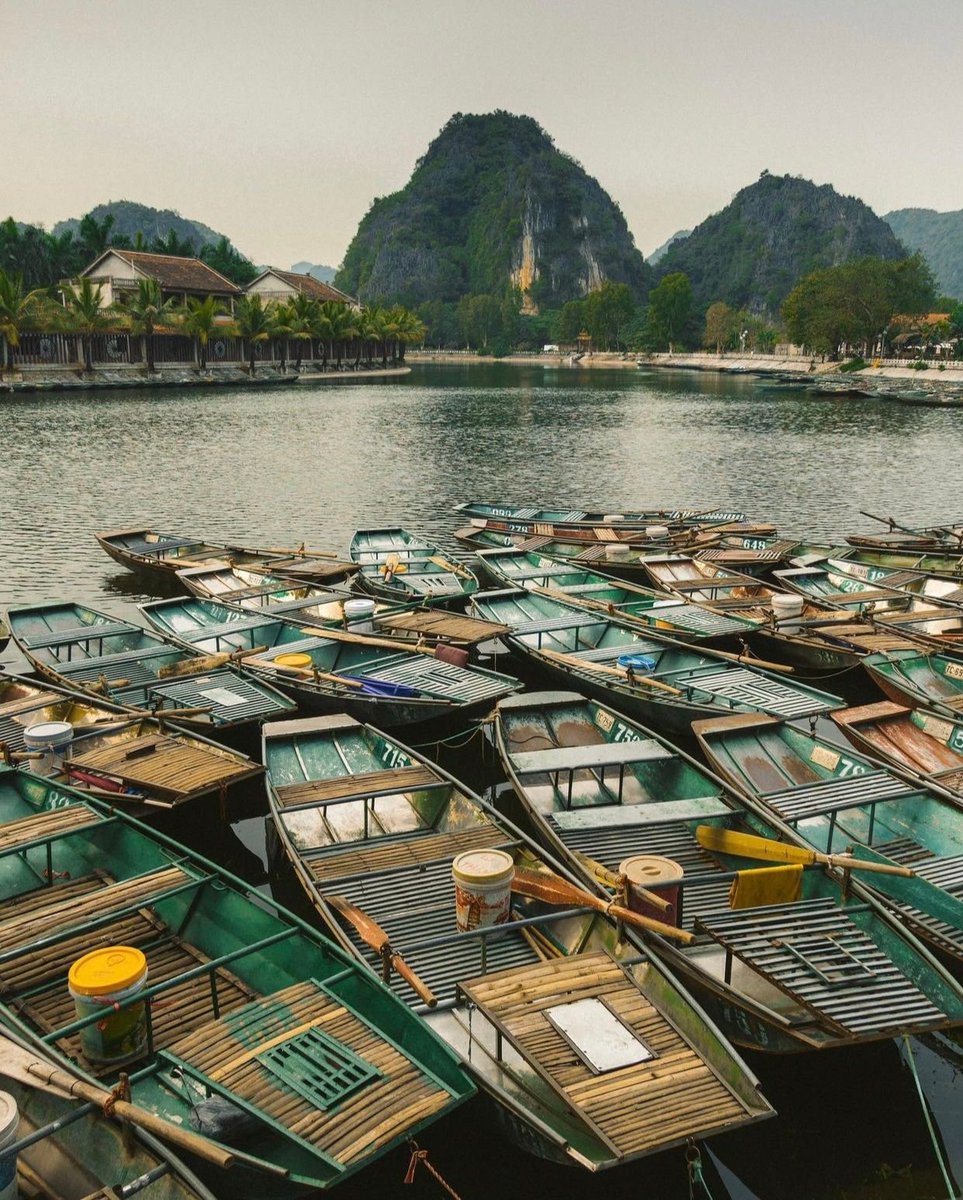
(199, 318)
(670, 309)
(19, 309)
(253, 323)
(571, 321)
(145, 311)
(720, 326)
(85, 314)
(608, 311)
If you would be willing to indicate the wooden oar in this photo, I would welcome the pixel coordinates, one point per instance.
(762, 663)
(571, 661)
(307, 672)
(747, 845)
(617, 882)
(378, 940)
(555, 890)
(34, 1071)
(391, 565)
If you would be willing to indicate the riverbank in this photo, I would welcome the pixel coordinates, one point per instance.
(935, 375)
(42, 379)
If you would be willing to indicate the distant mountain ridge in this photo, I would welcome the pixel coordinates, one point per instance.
(774, 232)
(938, 237)
(131, 219)
(659, 252)
(316, 270)
(492, 205)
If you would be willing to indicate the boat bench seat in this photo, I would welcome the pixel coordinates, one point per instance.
(551, 624)
(80, 633)
(364, 786)
(98, 664)
(577, 758)
(540, 573)
(223, 628)
(870, 595)
(156, 549)
(945, 873)
(603, 654)
(695, 808)
(829, 796)
(696, 585)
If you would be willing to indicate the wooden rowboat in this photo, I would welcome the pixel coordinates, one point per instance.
(167, 553)
(833, 797)
(519, 518)
(663, 682)
(602, 790)
(324, 607)
(920, 677)
(140, 761)
(327, 670)
(397, 566)
(924, 743)
(68, 1149)
(257, 1031)
(631, 603)
(363, 819)
(79, 647)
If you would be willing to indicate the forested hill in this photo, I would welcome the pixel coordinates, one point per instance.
(939, 238)
(492, 205)
(152, 224)
(774, 232)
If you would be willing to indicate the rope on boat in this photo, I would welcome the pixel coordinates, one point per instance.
(457, 740)
(951, 1194)
(693, 1164)
(421, 1156)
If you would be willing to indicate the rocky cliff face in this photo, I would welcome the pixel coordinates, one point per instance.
(754, 252)
(938, 236)
(492, 205)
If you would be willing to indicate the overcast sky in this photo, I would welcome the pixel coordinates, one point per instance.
(277, 124)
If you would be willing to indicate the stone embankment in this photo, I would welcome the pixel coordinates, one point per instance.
(42, 379)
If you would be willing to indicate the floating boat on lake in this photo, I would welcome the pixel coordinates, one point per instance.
(863, 562)
(167, 553)
(330, 670)
(325, 607)
(278, 1047)
(371, 830)
(928, 745)
(663, 682)
(833, 797)
(631, 603)
(522, 518)
(137, 760)
(920, 677)
(395, 565)
(79, 647)
(605, 792)
(68, 1149)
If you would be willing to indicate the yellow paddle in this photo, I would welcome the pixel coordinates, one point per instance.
(747, 845)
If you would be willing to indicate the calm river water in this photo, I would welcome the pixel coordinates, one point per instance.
(312, 463)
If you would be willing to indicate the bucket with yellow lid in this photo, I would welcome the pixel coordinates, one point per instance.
(106, 982)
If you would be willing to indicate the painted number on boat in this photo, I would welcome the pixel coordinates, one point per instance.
(394, 756)
(837, 763)
(954, 671)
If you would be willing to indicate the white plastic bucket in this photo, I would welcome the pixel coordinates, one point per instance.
(483, 888)
(51, 739)
(9, 1123)
(359, 615)
(99, 982)
(787, 609)
(617, 551)
(656, 531)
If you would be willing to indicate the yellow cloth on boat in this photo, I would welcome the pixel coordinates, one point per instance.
(766, 885)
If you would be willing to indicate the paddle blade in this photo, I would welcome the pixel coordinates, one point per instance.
(747, 845)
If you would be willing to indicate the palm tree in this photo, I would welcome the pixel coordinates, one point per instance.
(199, 318)
(145, 311)
(253, 323)
(344, 324)
(85, 314)
(18, 309)
(302, 322)
(411, 330)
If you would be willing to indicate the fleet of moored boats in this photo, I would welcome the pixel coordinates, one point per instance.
(743, 829)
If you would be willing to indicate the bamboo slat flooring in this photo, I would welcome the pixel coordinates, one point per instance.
(452, 626)
(635, 1108)
(227, 1052)
(368, 783)
(45, 825)
(166, 765)
(371, 858)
